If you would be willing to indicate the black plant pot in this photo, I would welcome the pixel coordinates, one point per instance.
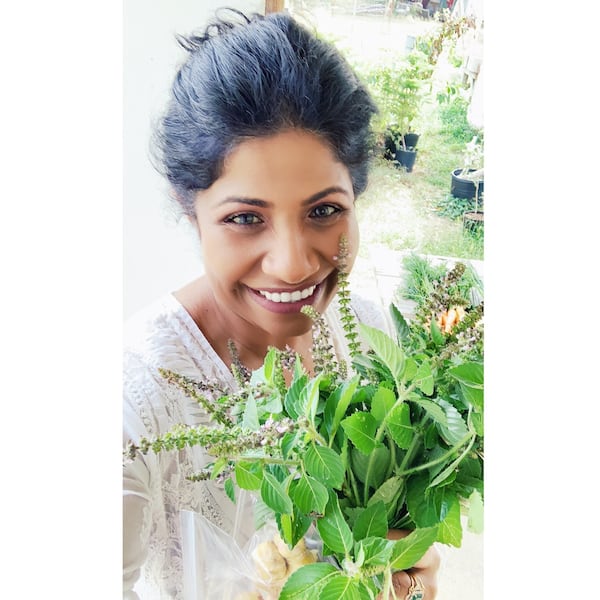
(406, 158)
(390, 147)
(411, 139)
(464, 188)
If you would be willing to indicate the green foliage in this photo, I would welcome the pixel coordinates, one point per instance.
(454, 123)
(398, 86)
(399, 444)
(453, 207)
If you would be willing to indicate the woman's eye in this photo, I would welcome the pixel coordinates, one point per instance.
(244, 219)
(324, 210)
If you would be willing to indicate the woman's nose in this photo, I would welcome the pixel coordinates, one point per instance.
(291, 258)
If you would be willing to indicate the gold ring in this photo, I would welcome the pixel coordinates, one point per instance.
(416, 591)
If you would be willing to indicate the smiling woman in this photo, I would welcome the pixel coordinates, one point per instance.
(265, 142)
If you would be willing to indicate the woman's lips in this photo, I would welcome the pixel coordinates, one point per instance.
(286, 302)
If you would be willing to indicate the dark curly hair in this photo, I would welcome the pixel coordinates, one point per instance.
(252, 77)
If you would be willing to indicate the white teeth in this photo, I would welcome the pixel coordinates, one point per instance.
(288, 296)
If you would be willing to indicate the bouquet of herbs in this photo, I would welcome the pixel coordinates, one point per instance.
(394, 441)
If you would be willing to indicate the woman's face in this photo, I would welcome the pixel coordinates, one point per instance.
(270, 228)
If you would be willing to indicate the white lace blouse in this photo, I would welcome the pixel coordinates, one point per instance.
(155, 488)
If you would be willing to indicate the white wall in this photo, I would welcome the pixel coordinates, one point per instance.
(159, 254)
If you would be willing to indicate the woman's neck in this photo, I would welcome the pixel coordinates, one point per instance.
(219, 326)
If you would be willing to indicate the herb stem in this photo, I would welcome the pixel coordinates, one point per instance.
(470, 437)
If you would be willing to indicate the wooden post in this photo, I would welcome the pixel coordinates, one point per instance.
(274, 6)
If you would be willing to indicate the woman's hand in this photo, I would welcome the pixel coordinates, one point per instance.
(426, 570)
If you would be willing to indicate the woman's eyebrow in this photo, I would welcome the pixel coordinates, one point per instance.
(265, 204)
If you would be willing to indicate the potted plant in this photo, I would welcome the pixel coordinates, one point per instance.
(467, 182)
(398, 89)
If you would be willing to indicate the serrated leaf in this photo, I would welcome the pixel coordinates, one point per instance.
(361, 428)
(379, 460)
(475, 517)
(342, 588)
(427, 507)
(435, 411)
(377, 550)
(249, 475)
(372, 521)
(292, 397)
(387, 491)
(473, 396)
(310, 495)
(470, 374)
(399, 425)
(423, 378)
(325, 465)
(274, 495)
(455, 429)
(382, 402)
(409, 550)
(450, 531)
(386, 350)
(307, 582)
(333, 529)
(400, 323)
(410, 369)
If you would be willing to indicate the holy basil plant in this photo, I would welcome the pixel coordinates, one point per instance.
(394, 442)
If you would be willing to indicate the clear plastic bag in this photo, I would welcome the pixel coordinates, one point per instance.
(222, 566)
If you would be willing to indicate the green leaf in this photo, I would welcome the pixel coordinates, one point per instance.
(337, 404)
(249, 475)
(382, 402)
(400, 324)
(274, 495)
(470, 377)
(475, 518)
(333, 529)
(450, 531)
(310, 495)
(377, 550)
(435, 411)
(436, 334)
(361, 428)
(386, 492)
(399, 425)
(371, 522)
(470, 374)
(292, 398)
(325, 465)
(379, 459)
(309, 398)
(229, 489)
(343, 588)
(423, 378)
(250, 418)
(293, 527)
(269, 365)
(427, 506)
(386, 350)
(307, 582)
(409, 550)
(456, 428)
